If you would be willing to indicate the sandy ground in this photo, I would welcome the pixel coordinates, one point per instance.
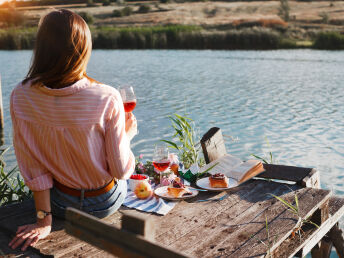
(206, 13)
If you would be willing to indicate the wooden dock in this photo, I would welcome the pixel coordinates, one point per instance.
(234, 226)
(250, 222)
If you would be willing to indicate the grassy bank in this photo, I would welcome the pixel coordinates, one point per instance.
(180, 37)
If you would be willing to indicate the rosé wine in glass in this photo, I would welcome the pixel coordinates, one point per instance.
(161, 165)
(129, 106)
(128, 97)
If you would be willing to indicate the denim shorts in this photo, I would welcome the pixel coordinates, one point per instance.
(99, 206)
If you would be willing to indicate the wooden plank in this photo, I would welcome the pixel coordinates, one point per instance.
(287, 173)
(139, 224)
(12, 210)
(228, 223)
(1, 118)
(85, 251)
(98, 240)
(194, 215)
(323, 250)
(6, 251)
(337, 238)
(312, 180)
(213, 145)
(312, 235)
(251, 223)
(112, 239)
(281, 222)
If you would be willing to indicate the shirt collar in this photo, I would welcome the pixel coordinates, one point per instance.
(79, 85)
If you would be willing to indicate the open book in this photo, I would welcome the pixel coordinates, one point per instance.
(235, 168)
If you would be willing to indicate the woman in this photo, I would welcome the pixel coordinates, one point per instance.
(71, 134)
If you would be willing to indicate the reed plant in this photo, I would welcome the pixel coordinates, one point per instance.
(16, 39)
(267, 158)
(187, 143)
(329, 40)
(179, 37)
(12, 186)
(184, 37)
(295, 209)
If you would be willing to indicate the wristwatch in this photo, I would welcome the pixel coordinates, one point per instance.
(42, 214)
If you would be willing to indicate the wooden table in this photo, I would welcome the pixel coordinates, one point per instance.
(235, 226)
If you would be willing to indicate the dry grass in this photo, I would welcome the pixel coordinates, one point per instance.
(202, 13)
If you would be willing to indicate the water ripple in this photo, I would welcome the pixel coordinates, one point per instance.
(292, 99)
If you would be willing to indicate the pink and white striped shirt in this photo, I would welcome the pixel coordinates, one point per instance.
(75, 135)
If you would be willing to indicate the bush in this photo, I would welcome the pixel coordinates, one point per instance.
(106, 2)
(329, 40)
(144, 9)
(12, 17)
(90, 3)
(89, 19)
(324, 17)
(117, 13)
(14, 40)
(126, 11)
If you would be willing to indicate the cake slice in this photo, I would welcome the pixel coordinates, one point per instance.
(218, 180)
(177, 189)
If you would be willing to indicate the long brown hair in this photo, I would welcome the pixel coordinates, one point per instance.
(62, 50)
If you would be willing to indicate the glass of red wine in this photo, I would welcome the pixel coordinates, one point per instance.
(128, 97)
(161, 161)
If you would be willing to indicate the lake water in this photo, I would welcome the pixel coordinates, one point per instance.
(292, 99)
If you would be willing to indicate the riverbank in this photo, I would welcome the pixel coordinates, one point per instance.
(182, 37)
(197, 25)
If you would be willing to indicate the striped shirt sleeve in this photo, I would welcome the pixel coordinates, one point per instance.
(36, 177)
(120, 158)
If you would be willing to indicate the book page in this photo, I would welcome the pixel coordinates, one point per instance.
(225, 164)
(239, 171)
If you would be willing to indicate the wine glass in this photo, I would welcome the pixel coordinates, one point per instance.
(160, 160)
(128, 97)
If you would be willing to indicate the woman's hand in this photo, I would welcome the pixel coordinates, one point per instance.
(30, 234)
(130, 125)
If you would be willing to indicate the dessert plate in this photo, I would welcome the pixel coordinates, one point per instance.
(204, 183)
(162, 192)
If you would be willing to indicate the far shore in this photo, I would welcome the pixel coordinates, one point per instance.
(193, 25)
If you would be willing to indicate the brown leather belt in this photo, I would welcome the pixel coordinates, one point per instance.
(87, 193)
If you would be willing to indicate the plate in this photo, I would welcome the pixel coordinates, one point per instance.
(162, 192)
(204, 183)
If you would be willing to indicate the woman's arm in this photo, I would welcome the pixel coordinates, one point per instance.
(31, 233)
(119, 130)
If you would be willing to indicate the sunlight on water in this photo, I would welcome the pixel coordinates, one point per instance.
(292, 99)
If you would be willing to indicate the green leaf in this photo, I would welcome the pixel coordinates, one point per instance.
(205, 171)
(176, 121)
(297, 203)
(260, 158)
(311, 222)
(285, 203)
(179, 132)
(173, 145)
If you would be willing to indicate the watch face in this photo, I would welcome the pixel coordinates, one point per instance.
(40, 214)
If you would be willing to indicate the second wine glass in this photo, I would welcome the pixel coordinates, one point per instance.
(161, 161)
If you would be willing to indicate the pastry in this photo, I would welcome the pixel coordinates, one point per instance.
(177, 189)
(218, 180)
